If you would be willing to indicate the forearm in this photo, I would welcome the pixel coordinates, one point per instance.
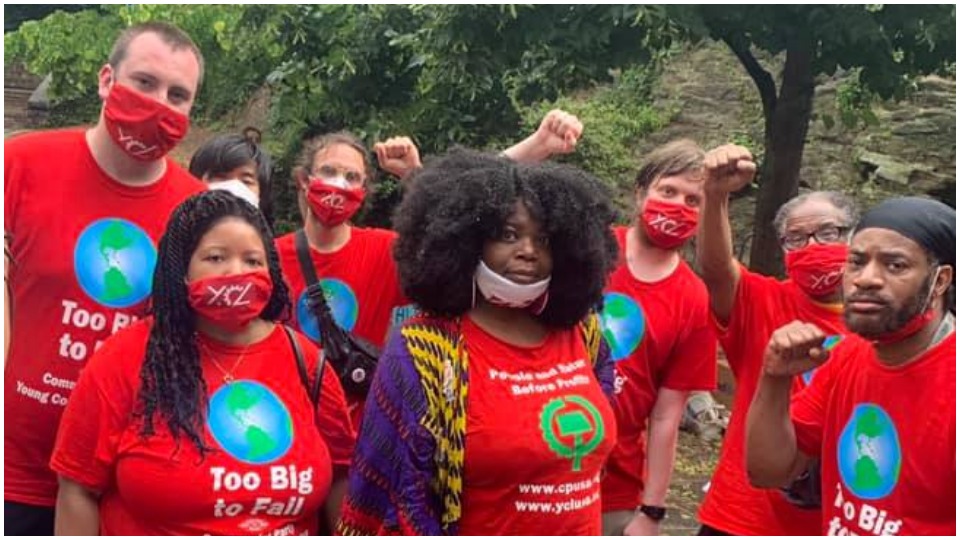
(662, 429)
(715, 256)
(527, 151)
(773, 458)
(332, 506)
(77, 511)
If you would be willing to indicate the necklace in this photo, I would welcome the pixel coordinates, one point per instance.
(227, 375)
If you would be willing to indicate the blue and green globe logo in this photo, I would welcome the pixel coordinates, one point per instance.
(623, 323)
(113, 261)
(343, 304)
(868, 453)
(250, 422)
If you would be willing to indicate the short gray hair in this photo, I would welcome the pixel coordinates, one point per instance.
(840, 201)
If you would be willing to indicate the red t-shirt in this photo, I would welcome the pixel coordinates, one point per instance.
(887, 441)
(660, 337)
(539, 429)
(270, 465)
(761, 306)
(84, 250)
(361, 286)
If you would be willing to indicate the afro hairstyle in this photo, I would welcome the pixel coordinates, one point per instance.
(460, 201)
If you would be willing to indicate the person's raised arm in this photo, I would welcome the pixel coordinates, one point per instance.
(726, 169)
(773, 456)
(558, 133)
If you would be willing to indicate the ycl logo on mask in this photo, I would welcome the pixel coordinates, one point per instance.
(231, 301)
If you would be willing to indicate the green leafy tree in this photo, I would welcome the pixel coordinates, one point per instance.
(888, 46)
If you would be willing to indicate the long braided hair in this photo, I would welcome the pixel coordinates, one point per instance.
(172, 384)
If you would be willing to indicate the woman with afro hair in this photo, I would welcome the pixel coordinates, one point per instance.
(202, 418)
(488, 412)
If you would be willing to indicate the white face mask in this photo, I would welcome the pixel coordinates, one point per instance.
(500, 291)
(336, 181)
(238, 188)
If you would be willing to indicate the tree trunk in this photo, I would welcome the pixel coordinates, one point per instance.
(786, 133)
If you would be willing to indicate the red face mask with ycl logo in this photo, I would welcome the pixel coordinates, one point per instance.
(668, 225)
(332, 204)
(145, 129)
(818, 268)
(231, 302)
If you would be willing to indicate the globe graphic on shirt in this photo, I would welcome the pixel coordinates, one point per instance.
(249, 422)
(113, 260)
(343, 304)
(868, 453)
(623, 324)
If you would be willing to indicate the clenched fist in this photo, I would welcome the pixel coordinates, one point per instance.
(728, 168)
(398, 156)
(794, 349)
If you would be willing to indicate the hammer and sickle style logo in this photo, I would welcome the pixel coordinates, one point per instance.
(572, 427)
(334, 201)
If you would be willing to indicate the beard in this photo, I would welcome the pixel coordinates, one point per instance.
(891, 319)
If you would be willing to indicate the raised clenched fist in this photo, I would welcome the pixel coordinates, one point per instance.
(398, 156)
(728, 168)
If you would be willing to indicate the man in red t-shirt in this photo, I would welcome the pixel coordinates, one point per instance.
(881, 414)
(656, 321)
(83, 212)
(746, 309)
(354, 265)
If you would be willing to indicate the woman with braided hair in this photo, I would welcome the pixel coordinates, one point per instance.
(203, 418)
(487, 414)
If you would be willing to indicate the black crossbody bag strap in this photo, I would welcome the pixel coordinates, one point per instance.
(313, 388)
(303, 255)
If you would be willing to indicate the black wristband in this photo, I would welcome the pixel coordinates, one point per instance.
(656, 513)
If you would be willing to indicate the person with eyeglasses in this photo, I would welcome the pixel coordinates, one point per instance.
(355, 265)
(746, 309)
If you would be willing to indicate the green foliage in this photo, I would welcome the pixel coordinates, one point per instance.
(71, 47)
(615, 119)
(855, 102)
(467, 74)
(238, 42)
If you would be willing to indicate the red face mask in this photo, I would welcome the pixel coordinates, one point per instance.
(818, 268)
(331, 204)
(231, 302)
(145, 129)
(668, 225)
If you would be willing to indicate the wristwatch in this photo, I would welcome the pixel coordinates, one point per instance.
(656, 513)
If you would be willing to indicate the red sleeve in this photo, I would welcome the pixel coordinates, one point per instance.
(333, 417)
(693, 363)
(99, 411)
(808, 409)
(755, 295)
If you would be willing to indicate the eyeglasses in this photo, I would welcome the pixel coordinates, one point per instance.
(328, 172)
(830, 234)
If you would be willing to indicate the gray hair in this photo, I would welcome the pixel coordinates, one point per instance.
(840, 201)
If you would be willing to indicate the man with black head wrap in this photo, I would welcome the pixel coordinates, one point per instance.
(882, 413)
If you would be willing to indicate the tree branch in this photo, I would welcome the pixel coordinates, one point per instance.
(760, 76)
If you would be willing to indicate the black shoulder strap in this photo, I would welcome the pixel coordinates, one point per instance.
(313, 390)
(303, 255)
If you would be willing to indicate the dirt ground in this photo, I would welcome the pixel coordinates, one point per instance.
(694, 466)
